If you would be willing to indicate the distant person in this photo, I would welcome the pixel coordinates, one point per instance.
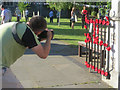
(51, 16)
(18, 14)
(26, 15)
(72, 20)
(10, 15)
(78, 13)
(4, 15)
(57, 15)
(84, 12)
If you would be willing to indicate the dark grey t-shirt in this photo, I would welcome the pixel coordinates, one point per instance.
(28, 39)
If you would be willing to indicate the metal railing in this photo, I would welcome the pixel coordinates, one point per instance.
(98, 45)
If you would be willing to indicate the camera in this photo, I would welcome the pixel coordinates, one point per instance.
(43, 35)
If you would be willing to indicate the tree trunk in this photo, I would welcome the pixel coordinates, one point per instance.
(59, 18)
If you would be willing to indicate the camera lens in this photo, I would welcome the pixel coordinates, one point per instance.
(43, 35)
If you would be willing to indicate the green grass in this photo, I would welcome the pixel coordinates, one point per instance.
(64, 32)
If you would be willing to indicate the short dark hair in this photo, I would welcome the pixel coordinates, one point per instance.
(2, 6)
(38, 23)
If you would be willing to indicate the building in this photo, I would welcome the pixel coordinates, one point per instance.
(35, 7)
(10, 5)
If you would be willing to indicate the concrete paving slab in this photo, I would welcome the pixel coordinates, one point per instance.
(57, 71)
(9, 80)
(51, 72)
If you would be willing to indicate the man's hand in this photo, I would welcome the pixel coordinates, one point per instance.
(43, 51)
(3, 18)
(49, 34)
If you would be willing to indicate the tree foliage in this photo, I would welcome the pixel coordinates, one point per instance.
(60, 5)
(22, 6)
(78, 5)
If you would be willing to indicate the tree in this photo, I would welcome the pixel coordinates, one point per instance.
(109, 5)
(59, 6)
(22, 6)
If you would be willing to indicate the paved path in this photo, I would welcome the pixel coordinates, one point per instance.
(62, 69)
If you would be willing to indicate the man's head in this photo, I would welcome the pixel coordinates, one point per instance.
(73, 9)
(84, 7)
(2, 7)
(37, 24)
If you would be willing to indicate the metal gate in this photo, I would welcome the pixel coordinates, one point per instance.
(98, 45)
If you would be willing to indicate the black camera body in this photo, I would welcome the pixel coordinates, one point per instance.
(43, 35)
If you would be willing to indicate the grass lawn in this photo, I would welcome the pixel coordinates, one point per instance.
(64, 32)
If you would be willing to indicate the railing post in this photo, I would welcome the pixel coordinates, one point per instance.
(113, 56)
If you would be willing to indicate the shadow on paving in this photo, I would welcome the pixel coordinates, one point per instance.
(59, 49)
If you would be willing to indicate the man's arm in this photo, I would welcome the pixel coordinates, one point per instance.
(43, 51)
(3, 16)
(71, 13)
